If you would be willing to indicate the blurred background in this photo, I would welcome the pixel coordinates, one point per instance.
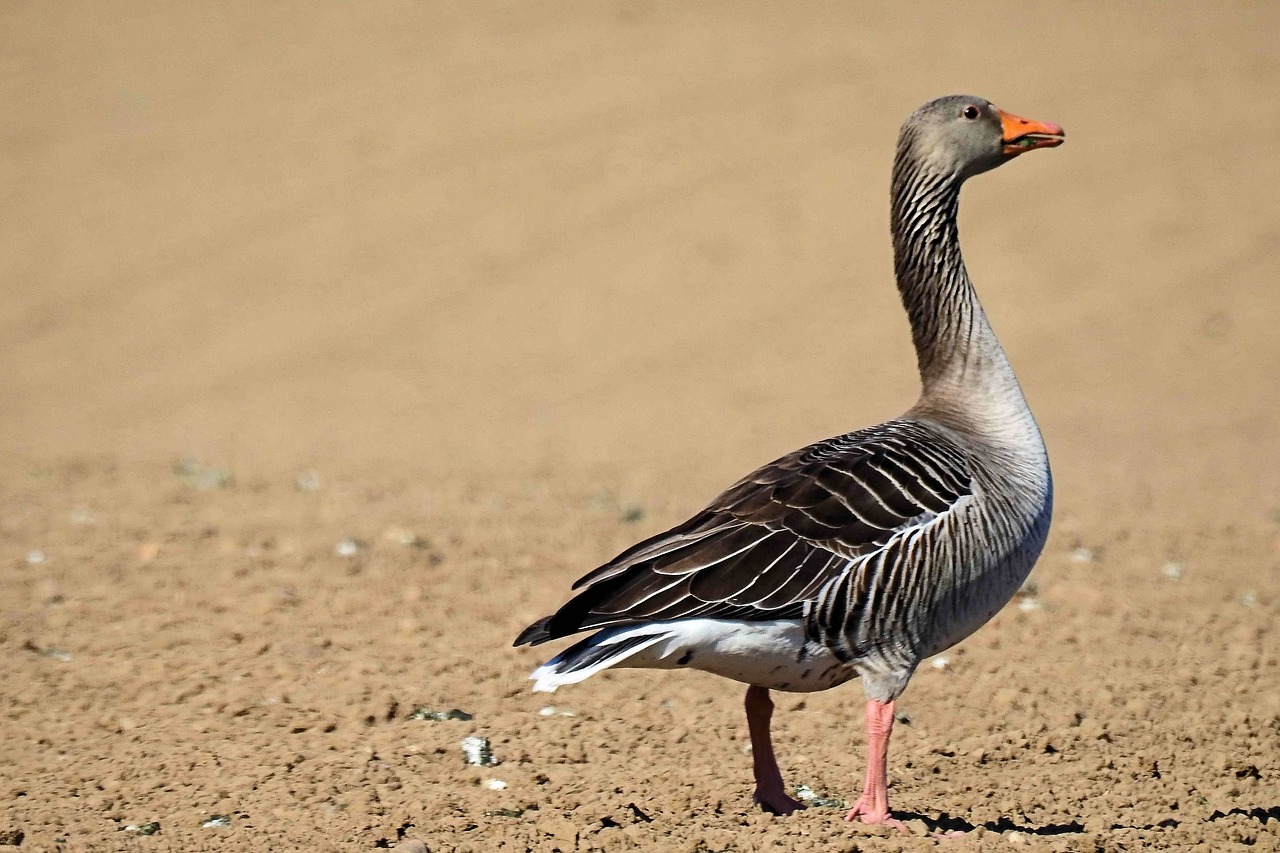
(629, 240)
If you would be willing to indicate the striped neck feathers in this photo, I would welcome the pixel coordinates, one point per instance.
(956, 350)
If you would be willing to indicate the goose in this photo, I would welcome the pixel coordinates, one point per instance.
(864, 554)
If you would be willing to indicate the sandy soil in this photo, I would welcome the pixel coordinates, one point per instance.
(335, 344)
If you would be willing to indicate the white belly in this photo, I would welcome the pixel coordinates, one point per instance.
(770, 654)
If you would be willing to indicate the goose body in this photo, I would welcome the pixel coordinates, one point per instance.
(861, 555)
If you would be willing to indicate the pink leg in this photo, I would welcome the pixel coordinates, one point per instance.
(873, 805)
(770, 792)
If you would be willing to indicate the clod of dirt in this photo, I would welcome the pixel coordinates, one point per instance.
(559, 828)
(413, 845)
(52, 652)
(504, 813)
(917, 827)
(200, 477)
(440, 716)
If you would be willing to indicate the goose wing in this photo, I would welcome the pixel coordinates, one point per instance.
(768, 544)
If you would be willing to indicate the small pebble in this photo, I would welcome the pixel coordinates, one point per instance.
(495, 784)
(807, 795)
(347, 548)
(940, 662)
(36, 557)
(309, 481)
(1172, 571)
(547, 711)
(1027, 605)
(144, 828)
(476, 751)
(1249, 599)
(1081, 555)
(218, 821)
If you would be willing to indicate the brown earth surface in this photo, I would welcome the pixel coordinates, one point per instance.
(335, 342)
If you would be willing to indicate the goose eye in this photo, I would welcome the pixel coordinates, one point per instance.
(970, 112)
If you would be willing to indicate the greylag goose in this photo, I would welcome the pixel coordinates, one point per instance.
(864, 554)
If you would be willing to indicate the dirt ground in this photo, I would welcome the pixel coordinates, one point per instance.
(336, 341)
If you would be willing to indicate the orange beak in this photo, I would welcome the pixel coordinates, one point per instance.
(1023, 134)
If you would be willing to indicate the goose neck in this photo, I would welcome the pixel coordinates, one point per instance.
(956, 349)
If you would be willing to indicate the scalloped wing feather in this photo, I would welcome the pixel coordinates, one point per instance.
(771, 542)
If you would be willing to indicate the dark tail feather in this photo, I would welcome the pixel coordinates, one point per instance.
(538, 632)
(599, 651)
(586, 653)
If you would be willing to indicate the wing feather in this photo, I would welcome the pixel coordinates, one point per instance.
(771, 543)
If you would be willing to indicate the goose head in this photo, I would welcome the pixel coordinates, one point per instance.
(963, 135)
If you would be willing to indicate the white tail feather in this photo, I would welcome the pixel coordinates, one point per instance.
(549, 676)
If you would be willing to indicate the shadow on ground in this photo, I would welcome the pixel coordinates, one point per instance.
(946, 823)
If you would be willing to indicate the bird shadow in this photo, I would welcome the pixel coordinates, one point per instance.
(1258, 813)
(946, 823)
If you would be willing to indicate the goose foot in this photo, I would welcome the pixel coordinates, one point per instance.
(776, 802)
(867, 811)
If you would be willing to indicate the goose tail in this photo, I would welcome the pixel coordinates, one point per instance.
(601, 650)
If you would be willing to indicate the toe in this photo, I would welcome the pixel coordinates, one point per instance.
(874, 817)
(778, 803)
